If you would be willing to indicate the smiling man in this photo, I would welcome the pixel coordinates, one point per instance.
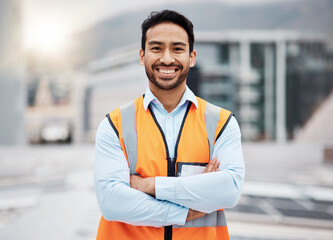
(167, 57)
(168, 163)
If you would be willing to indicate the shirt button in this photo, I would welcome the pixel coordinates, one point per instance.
(169, 138)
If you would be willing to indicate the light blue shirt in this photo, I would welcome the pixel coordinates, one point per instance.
(174, 195)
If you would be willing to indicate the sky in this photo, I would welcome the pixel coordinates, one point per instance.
(79, 14)
(49, 23)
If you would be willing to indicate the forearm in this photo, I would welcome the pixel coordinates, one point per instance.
(147, 185)
(119, 202)
(205, 192)
(204, 196)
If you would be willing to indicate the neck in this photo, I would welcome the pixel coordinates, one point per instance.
(169, 98)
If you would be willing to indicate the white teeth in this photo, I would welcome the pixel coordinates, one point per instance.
(166, 71)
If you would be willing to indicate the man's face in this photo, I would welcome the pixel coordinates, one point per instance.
(167, 58)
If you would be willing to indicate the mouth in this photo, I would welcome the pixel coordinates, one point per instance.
(167, 71)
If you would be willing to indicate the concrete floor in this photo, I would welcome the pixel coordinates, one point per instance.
(46, 192)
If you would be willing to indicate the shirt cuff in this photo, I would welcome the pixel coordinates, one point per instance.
(165, 188)
(177, 215)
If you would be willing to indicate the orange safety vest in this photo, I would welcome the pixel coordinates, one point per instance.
(146, 151)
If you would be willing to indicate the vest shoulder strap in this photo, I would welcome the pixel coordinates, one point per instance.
(216, 119)
(123, 121)
(129, 134)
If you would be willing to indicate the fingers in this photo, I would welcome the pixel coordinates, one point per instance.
(209, 167)
(212, 166)
(193, 214)
(216, 165)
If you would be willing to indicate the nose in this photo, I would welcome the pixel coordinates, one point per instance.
(167, 57)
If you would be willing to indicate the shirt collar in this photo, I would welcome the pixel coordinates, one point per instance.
(187, 96)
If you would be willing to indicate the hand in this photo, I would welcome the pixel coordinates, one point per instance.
(193, 214)
(213, 166)
(146, 185)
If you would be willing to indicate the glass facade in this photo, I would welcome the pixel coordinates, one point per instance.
(272, 86)
(309, 82)
(217, 83)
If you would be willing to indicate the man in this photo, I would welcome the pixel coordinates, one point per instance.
(142, 146)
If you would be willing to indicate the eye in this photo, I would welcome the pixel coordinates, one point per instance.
(178, 49)
(156, 48)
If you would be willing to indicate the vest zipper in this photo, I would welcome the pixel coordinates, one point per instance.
(171, 161)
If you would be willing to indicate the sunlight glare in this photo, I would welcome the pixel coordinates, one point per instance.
(46, 37)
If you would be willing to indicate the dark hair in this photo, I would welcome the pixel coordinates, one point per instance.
(167, 16)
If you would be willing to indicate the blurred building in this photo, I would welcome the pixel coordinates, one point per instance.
(271, 80)
(48, 119)
(106, 84)
(12, 87)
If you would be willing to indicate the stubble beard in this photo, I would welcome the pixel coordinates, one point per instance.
(174, 85)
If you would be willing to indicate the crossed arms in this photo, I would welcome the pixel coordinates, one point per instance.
(163, 201)
(147, 185)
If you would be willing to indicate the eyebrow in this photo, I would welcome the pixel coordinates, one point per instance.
(179, 43)
(155, 43)
(160, 43)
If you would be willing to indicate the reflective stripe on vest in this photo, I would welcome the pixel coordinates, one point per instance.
(212, 116)
(130, 138)
(214, 219)
(128, 121)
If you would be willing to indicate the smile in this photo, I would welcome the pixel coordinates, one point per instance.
(167, 71)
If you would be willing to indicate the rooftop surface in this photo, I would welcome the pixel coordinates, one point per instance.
(46, 192)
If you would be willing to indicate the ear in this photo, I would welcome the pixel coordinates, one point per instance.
(193, 56)
(142, 57)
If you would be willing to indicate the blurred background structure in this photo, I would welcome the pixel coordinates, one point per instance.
(12, 79)
(272, 80)
(268, 62)
(65, 64)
